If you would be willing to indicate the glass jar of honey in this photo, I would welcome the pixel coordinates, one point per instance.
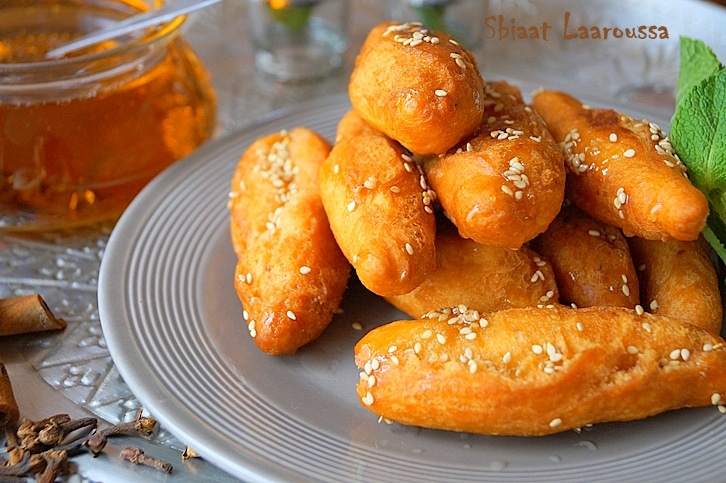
(81, 135)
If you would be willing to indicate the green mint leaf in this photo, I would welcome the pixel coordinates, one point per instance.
(698, 132)
(697, 62)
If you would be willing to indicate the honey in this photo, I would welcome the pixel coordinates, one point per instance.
(80, 136)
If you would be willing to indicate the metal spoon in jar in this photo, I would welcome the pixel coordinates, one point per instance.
(131, 24)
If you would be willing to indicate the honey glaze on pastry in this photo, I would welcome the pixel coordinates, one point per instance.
(537, 371)
(418, 86)
(290, 275)
(505, 185)
(623, 171)
(380, 210)
(591, 261)
(678, 279)
(484, 278)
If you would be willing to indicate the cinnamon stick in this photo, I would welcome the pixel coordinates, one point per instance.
(9, 411)
(27, 314)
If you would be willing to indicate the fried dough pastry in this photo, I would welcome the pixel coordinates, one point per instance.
(379, 207)
(679, 280)
(591, 261)
(290, 275)
(352, 124)
(623, 171)
(418, 86)
(504, 186)
(482, 277)
(537, 371)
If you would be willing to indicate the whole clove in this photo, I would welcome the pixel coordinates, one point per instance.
(42, 449)
(138, 457)
(55, 462)
(140, 426)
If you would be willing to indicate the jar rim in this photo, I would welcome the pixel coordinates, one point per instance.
(151, 36)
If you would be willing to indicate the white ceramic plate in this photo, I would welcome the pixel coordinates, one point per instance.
(174, 327)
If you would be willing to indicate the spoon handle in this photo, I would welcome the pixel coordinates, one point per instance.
(131, 24)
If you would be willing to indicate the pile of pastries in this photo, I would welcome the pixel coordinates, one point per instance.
(549, 254)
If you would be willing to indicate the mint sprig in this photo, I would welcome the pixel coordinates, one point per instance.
(698, 131)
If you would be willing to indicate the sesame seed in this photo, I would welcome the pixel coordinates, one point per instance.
(555, 422)
(417, 347)
(427, 334)
(639, 309)
(707, 347)
(370, 183)
(675, 354)
(395, 189)
(653, 305)
(579, 326)
(305, 270)
(471, 336)
(409, 249)
(613, 137)
(473, 366)
(715, 398)
(441, 338)
(537, 349)
(646, 327)
(593, 232)
(351, 206)
(441, 93)
(291, 315)
(629, 153)
(507, 358)
(685, 354)
(336, 169)
(375, 364)
(632, 350)
(626, 290)
(368, 399)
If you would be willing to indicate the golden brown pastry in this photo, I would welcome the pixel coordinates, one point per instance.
(591, 261)
(536, 371)
(352, 124)
(482, 277)
(380, 210)
(678, 279)
(418, 86)
(291, 275)
(504, 186)
(623, 171)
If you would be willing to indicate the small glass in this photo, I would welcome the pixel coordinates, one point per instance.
(299, 40)
(80, 136)
(462, 19)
